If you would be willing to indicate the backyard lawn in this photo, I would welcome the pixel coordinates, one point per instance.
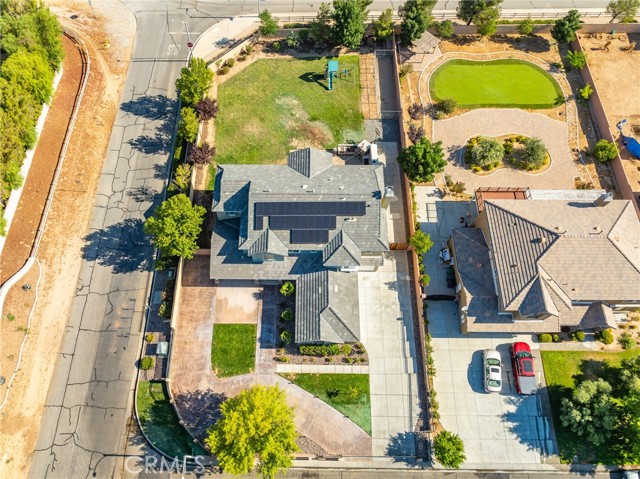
(233, 349)
(348, 393)
(160, 422)
(274, 106)
(561, 369)
(497, 83)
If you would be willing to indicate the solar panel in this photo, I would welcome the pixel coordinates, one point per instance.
(302, 222)
(311, 208)
(309, 236)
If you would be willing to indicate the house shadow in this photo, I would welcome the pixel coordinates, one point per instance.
(401, 448)
(122, 246)
(199, 410)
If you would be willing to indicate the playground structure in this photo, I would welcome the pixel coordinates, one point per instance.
(334, 71)
(629, 142)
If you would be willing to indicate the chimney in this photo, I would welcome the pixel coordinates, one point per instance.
(603, 199)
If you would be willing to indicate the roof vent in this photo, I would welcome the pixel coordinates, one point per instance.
(304, 187)
(603, 199)
(560, 229)
(540, 240)
(341, 187)
(597, 230)
(351, 218)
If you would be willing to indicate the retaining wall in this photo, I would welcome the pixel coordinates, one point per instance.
(599, 115)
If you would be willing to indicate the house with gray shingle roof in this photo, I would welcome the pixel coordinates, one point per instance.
(543, 265)
(310, 221)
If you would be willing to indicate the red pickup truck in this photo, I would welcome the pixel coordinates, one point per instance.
(523, 370)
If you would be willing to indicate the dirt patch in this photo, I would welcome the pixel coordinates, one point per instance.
(237, 305)
(61, 244)
(305, 131)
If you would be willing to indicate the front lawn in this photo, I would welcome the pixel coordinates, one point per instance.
(233, 349)
(348, 393)
(274, 106)
(160, 422)
(498, 83)
(561, 370)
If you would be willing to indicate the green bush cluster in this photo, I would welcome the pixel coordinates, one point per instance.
(605, 336)
(329, 350)
(287, 289)
(31, 52)
(146, 363)
(545, 338)
(577, 336)
(626, 341)
(287, 315)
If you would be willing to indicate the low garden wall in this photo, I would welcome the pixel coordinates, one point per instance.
(599, 115)
(510, 29)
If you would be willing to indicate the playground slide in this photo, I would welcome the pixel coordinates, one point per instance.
(630, 143)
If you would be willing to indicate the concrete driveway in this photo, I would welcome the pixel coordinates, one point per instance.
(500, 431)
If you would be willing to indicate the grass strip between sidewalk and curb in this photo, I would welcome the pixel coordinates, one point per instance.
(160, 422)
(347, 393)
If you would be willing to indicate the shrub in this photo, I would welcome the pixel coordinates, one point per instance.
(283, 359)
(458, 188)
(268, 24)
(206, 109)
(586, 92)
(248, 49)
(229, 63)
(303, 35)
(535, 153)
(420, 162)
(526, 26)
(544, 338)
(149, 337)
(626, 341)
(164, 310)
(556, 338)
(346, 349)
(425, 279)
(416, 111)
(188, 124)
(330, 350)
(287, 315)
(508, 146)
(405, 70)
(444, 29)
(287, 289)
(446, 105)
(577, 336)
(146, 363)
(242, 57)
(223, 70)
(201, 155)
(285, 337)
(487, 152)
(276, 46)
(415, 133)
(292, 40)
(605, 151)
(605, 336)
(448, 449)
(576, 60)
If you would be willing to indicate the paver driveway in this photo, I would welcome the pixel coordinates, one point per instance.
(500, 431)
(455, 132)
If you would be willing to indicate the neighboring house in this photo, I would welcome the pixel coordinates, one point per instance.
(546, 265)
(309, 221)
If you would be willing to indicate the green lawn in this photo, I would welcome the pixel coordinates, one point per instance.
(561, 369)
(233, 350)
(497, 83)
(274, 106)
(160, 422)
(348, 393)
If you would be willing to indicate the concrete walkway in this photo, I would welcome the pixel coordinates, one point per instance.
(455, 132)
(322, 369)
(198, 392)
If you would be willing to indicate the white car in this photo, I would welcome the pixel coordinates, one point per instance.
(492, 371)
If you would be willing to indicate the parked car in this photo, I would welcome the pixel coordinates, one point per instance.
(523, 369)
(492, 371)
(631, 474)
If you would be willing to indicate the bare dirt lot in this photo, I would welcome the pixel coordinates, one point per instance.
(60, 249)
(616, 70)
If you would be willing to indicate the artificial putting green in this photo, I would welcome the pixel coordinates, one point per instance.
(499, 83)
(276, 105)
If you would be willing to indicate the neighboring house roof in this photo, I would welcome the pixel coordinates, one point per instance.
(590, 252)
(268, 242)
(425, 44)
(341, 251)
(327, 308)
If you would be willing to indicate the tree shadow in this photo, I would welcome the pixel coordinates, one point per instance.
(122, 246)
(143, 194)
(402, 447)
(530, 421)
(199, 410)
(151, 107)
(152, 145)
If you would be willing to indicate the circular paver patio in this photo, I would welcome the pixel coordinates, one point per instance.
(454, 133)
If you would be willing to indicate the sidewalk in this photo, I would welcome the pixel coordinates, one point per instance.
(218, 39)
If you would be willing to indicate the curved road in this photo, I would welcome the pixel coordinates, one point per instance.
(84, 428)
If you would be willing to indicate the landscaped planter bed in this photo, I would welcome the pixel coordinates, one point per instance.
(514, 156)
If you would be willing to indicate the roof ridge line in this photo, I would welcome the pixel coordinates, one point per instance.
(340, 319)
(557, 235)
(624, 210)
(470, 238)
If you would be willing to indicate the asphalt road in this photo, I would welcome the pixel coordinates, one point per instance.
(85, 425)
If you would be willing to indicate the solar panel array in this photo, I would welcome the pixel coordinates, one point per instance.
(309, 236)
(308, 221)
